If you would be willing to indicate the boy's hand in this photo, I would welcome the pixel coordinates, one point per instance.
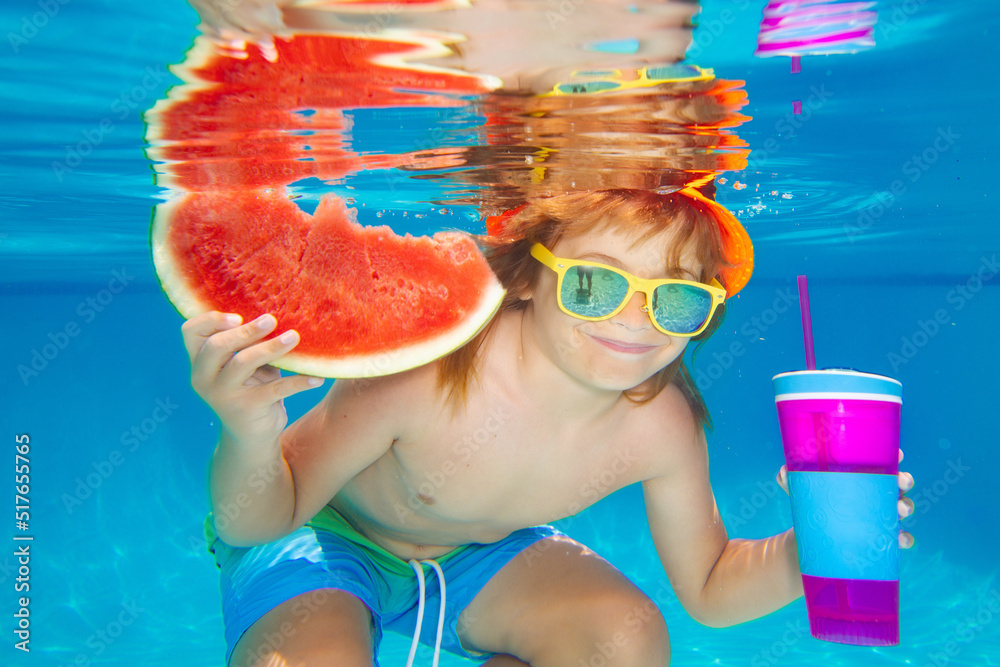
(234, 23)
(905, 505)
(230, 371)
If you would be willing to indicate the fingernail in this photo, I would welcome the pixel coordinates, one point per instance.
(233, 320)
(314, 382)
(288, 337)
(265, 321)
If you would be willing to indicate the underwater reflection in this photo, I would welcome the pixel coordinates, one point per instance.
(250, 121)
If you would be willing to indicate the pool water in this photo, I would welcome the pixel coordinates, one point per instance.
(879, 191)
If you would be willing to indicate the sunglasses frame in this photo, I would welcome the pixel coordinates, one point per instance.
(613, 76)
(635, 284)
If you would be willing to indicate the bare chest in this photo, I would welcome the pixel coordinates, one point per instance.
(482, 476)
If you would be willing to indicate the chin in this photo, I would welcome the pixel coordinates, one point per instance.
(616, 375)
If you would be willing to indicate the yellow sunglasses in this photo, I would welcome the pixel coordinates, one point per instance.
(593, 291)
(588, 82)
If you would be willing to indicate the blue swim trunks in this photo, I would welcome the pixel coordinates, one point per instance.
(329, 553)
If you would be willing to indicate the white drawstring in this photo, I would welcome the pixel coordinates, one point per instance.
(420, 610)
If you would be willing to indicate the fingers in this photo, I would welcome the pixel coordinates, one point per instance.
(905, 481)
(251, 352)
(214, 341)
(225, 354)
(289, 386)
(233, 43)
(905, 507)
(198, 330)
(782, 478)
(251, 22)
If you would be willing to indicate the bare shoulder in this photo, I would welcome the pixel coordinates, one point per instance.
(391, 399)
(354, 425)
(677, 440)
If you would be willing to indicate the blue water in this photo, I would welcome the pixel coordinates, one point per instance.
(891, 228)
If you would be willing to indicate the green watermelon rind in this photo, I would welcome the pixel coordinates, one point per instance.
(379, 363)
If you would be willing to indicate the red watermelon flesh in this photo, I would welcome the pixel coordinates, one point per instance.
(347, 289)
(239, 122)
(365, 301)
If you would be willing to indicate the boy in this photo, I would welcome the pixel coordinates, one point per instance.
(386, 475)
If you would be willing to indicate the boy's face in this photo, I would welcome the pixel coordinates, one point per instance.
(621, 352)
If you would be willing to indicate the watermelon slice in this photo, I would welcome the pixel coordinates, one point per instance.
(253, 123)
(365, 301)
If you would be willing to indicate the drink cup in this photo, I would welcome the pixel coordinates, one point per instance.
(840, 433)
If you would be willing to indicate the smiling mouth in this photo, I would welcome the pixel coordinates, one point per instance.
(621, 346)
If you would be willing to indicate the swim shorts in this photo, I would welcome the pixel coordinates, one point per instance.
(330, 553)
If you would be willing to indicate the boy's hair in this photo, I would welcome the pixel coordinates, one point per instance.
(640, 214)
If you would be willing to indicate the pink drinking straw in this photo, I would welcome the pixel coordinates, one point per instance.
(807, 327)
(822, 457)
(819, 419)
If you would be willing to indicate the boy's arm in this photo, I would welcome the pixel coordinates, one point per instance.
(719, 581)
(267, 480)
(263, 491)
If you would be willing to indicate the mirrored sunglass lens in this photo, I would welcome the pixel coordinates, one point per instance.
(681, 308)
(591, 291)
(672, 72)
(584, 87)
(595, 73)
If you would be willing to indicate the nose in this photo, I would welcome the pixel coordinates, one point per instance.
(634, 315)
